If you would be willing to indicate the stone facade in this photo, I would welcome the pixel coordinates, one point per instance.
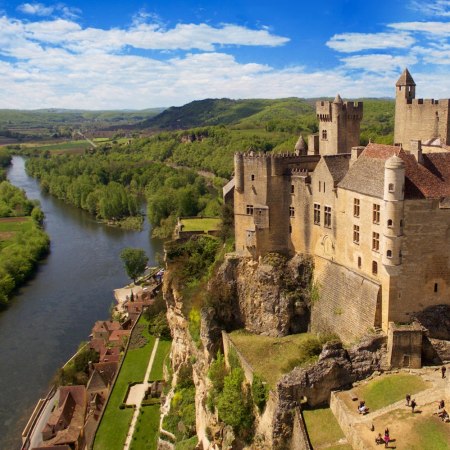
(376, 220)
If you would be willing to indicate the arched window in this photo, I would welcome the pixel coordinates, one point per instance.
(389, 253)
(324, 134)
(391, 187)
(389, 223)
(374, 267)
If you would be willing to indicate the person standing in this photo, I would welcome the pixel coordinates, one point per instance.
(443, 370)
(413, 405)
(408, 399)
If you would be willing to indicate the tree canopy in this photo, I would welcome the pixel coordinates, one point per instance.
(135, 261)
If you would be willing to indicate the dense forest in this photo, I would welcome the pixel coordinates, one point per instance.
(22, 241)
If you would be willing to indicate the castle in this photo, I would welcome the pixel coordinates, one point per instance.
(376, 220)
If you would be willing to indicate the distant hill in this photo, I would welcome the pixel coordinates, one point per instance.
(288, 114)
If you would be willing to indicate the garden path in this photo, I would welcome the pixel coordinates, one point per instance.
(138, 396)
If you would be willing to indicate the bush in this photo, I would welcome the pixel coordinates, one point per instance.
(260, 392)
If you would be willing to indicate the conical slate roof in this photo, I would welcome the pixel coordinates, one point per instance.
(338, 99)
(405, 79)
(300, 145)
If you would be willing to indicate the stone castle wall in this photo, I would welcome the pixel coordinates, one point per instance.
(347, 302)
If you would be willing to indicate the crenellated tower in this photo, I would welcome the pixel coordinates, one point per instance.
(394, 193)
(339, 125)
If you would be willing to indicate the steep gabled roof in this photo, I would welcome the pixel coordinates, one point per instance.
(338, 166)
(431, 179)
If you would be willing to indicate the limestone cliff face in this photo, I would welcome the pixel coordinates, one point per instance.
(268, 297)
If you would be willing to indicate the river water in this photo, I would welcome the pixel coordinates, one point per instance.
(56, 310)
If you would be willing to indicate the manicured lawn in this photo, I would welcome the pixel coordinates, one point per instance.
(114, 426)
(268, 355)
(157, 369)
(200, 224)
(147, 429)
(323, 428)
(389, 389)
(432, 434)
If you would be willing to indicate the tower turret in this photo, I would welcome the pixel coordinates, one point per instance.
(405, 92)
(394, 188)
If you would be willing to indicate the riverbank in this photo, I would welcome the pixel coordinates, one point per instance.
(71, 290)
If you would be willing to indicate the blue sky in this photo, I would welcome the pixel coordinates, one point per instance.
(142, 54)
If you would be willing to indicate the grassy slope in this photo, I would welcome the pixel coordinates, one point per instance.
(319, 434)
(268, 355)
(386, 390)
(200, 224)
(113, 428)
(157, 369)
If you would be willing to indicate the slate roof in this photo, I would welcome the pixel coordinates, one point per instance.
(405, 79)
(338, 166)
(428, 180)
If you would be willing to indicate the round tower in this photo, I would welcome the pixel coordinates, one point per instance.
(394, 194)
(239, 171)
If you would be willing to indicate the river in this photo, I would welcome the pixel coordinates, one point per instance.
(57, 308)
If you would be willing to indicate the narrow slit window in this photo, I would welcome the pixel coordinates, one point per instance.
(435, 287)
(374, 268)
(359, 262)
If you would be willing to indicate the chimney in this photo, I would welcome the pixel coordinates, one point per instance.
(416, 150)
(356, 151)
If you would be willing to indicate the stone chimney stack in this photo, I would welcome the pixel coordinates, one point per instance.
(416, 150)
(356, 151)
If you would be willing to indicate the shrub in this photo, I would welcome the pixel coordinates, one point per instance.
(260, 392)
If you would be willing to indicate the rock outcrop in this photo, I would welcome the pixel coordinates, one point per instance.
(269, 297)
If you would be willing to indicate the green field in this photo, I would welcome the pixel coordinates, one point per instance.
(320, 435)
(114, 426)
(161, 354)
(200, 224)
(147, 429)
(386, 390)
(268, 355)
(9, 226)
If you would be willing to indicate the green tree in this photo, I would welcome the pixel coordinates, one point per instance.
(135, 261)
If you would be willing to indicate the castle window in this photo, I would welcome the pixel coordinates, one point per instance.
(253, 177)
(376, 213)
(324, 134)
(389, 223)
(291, 211)
(359, 262)
(376, 242)
(435, 287)
(391, 187)
(327, 217)
(316, 213)
(389, 253)
(324, 186)
(374, 268)
(401, 223)
(356, 207)
(292, 188)
(290, 229)
(320, 184)
(250, 210)
(356, 234)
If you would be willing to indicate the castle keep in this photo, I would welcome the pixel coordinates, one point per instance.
(376, 220)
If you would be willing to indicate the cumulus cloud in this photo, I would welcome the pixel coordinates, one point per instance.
(355, 42)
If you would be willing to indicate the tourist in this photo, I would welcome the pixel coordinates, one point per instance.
(387, 439)
(379, 439)
(443, 370)
(413, 405)
(441, 404)
(408, 399)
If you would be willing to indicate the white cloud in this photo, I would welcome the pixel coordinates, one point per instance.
(432, 8)
(355, 42)
(432, 28)
(37, 9)
(379, 63)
